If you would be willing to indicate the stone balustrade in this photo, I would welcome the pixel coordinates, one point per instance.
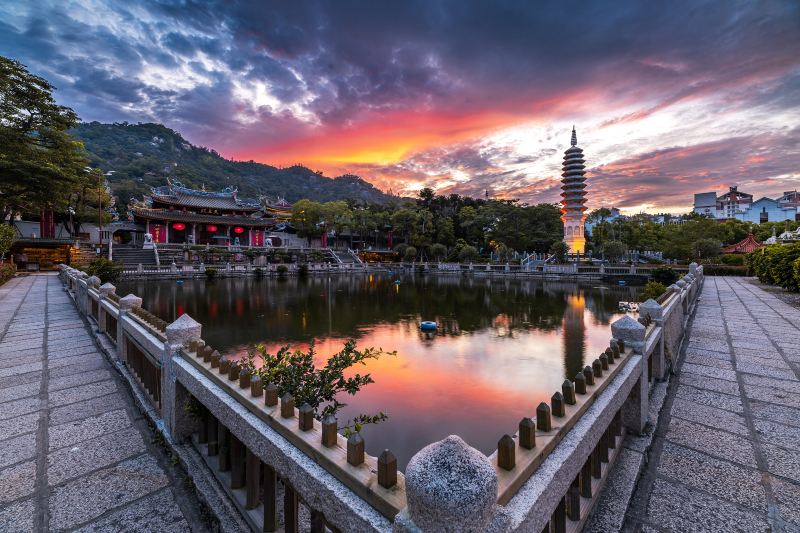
(266, 451)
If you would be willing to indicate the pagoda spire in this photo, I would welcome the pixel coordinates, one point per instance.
(574, 137)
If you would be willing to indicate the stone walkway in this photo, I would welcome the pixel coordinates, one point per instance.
(726, 456)
(74, 452)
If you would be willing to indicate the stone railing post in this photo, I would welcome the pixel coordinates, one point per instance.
(105, 289)
(81, 292)
(634, 410)
(451, 486)
(654, 310)
(125, 305)
(174, 396)
(92, 282)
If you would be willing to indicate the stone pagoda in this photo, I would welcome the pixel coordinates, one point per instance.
(573, 208)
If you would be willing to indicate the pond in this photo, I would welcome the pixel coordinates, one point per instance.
(502, 345)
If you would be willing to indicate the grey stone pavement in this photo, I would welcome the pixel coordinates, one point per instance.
(75, 454)
(726, 454)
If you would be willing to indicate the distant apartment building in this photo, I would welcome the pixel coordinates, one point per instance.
(739, 205)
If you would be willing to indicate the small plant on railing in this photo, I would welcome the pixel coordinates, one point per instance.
(104, 269)
(321, 388)
(653, 290)
(211, 273)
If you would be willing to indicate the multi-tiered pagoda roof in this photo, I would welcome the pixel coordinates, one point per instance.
(573, 183)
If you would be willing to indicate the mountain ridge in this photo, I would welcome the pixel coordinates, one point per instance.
(144, 155)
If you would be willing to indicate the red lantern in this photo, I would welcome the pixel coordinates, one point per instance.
(180, 226)
(212, 228)
(238, 230)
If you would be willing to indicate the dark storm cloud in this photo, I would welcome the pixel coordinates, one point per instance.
(336, 65)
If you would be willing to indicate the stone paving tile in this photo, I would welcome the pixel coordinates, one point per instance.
(774, 362)
(19, 407)
(772, 383)
(90, 455)
(780, 434)
(709, 361)
(698, 470)
(19, 425)
(712, 384)
(94, 363)
(724, 356)
(709, 344)
(82, 378)
(678, 508)
(86, 408)
(782, 462)
(17, 481)
(56, 364)
(17, 449)
(90, 496)
(787, 496)
(59, 353)
(711, 398)
(762, 370)
(17, 517)
(718, 443)
(709, 416)
(83, 392)
(7, 367)
(19, 391)
(158, 512)
(88, 428)
(710, 372)
(21, 369)
(780, 397)
(775, 413)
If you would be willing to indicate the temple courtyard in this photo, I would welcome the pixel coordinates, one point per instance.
(76, 454)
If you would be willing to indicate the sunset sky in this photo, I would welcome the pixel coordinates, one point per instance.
(669, 98)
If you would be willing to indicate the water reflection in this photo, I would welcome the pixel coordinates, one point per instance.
(503, 345)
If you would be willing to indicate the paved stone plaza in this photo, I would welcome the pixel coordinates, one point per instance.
(726, 455)
(74, 452)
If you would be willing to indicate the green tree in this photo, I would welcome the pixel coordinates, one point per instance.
(614, 250)
(306, 218)
(706, 248)
(439, 251)
(7, 237)
(468, 253)
(653, 290)
(410, 253)
(39, 161)
(559, 250)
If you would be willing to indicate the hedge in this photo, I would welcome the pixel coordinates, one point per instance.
(725, 270)
(7, 271)
(777, 264)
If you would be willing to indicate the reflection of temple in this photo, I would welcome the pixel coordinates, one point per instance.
(176, 214)
(574, 333)
(574, 197)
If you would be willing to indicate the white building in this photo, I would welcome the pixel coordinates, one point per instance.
(740, 206)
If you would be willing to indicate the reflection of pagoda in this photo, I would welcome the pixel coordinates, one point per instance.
(574, 335)
(177, 214)
(574, 197)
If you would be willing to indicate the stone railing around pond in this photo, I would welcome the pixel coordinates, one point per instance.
(283, 469)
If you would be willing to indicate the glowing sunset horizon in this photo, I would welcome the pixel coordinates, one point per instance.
(468, 97)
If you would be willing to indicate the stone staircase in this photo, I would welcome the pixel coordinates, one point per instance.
(134, 256)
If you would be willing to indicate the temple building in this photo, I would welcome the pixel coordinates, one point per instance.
(173, 213)
(573, 206)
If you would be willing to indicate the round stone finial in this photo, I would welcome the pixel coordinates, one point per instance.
(451, 487)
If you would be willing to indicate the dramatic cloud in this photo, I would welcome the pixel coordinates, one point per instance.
(469, 97)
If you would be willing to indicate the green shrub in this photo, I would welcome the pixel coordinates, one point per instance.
(559, 250)
(282, 270)
(302, 270)
(775, 264)
(410, 253)
(653, 290)
(439, 251)
(468, 253)
(725, 270)
(732, 259)
(211, 273)
(258, 272)
(7, 271)
(104, 269)
(664, 275)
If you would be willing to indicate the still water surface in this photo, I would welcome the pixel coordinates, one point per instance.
(503, 345)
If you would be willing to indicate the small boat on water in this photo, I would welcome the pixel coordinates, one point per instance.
(427, 325)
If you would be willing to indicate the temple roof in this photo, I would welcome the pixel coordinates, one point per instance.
(175, 193)
(180, 216)
(745, 246)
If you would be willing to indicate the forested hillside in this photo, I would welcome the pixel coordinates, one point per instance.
(144, 155)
